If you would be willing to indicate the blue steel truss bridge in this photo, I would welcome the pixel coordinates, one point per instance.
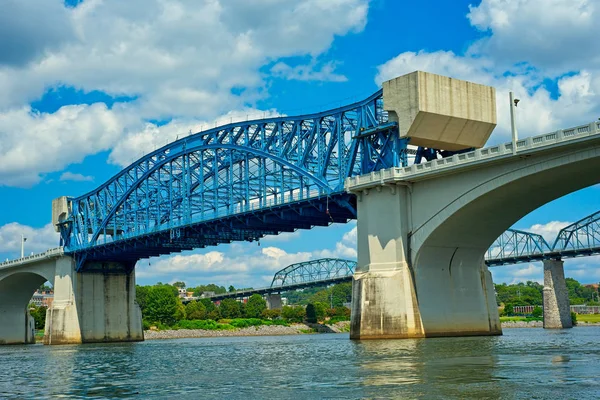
(237, 182)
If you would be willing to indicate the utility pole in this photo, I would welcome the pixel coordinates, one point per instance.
(513, 122)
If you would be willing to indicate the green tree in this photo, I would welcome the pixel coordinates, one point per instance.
(141, 297)
(509, 310)
(163, 305)
(195, 310)
(537, 312)
(271, 314)
(320, 310)
(209, 288)
(230, 308)
(231, 289)
(179, 285)
(39, 315)
(293, 313)
(255, 306)
(311, 315)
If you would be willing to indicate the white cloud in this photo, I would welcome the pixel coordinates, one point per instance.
(308, 72)
(179, 59)
(70, 176)
(239, 266)
(549, 231)
(556, 35)
(38, 239)
(29, 29)
(32, 142)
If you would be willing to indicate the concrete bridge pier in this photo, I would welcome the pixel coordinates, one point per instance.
(440, 291)
(95, 306)
(274, 301)
(557, 310)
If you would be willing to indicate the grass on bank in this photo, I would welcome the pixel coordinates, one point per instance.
(589, 318)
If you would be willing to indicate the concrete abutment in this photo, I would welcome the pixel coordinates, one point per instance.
(91, 307)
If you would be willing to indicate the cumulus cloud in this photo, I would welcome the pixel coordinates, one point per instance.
(38, 239)
(69, 176)
(31, 28)
(308, 72)
(238, 266)
(32, 143)
(181, 60)
(549, 231)
(555, 35)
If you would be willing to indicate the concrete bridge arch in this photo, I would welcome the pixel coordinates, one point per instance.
(17, 286)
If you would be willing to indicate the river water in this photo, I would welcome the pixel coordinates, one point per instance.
(523, 363)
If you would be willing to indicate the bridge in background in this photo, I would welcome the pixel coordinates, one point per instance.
(315, 273)
(581, 238)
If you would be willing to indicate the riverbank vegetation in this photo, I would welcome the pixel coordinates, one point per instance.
(163, 309)
(531, 294)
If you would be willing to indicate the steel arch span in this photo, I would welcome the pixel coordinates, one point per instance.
(237, 182)
(324, 269)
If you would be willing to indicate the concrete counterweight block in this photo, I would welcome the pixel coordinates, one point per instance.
(92, 307)
(440, 112)
(557, 310)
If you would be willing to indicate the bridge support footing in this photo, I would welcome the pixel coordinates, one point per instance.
(557, 310)
(439, 291)
(91, 307)
(274, 301)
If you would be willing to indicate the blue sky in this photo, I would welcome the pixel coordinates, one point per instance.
(88, 86)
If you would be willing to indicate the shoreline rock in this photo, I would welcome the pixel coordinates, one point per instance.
(263, 330)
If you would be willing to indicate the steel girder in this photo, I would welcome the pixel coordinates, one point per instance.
(516, 246)
(313, 271)
(583, 235)
(281, 174)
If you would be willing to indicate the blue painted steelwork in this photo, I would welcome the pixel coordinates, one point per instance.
(581, 238)
(316, 270)
(237, 182)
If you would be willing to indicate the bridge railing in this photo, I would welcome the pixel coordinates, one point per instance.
(54, 252)
(486, 153)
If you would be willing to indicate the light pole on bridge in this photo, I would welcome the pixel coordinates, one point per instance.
(23, 240)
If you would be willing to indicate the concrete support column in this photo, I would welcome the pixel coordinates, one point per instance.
(274, 301)
(384, 301)
(557, 310)
(441, 290)
(94, 306)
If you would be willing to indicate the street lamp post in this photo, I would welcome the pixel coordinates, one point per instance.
(23, 240)
(513, 122)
